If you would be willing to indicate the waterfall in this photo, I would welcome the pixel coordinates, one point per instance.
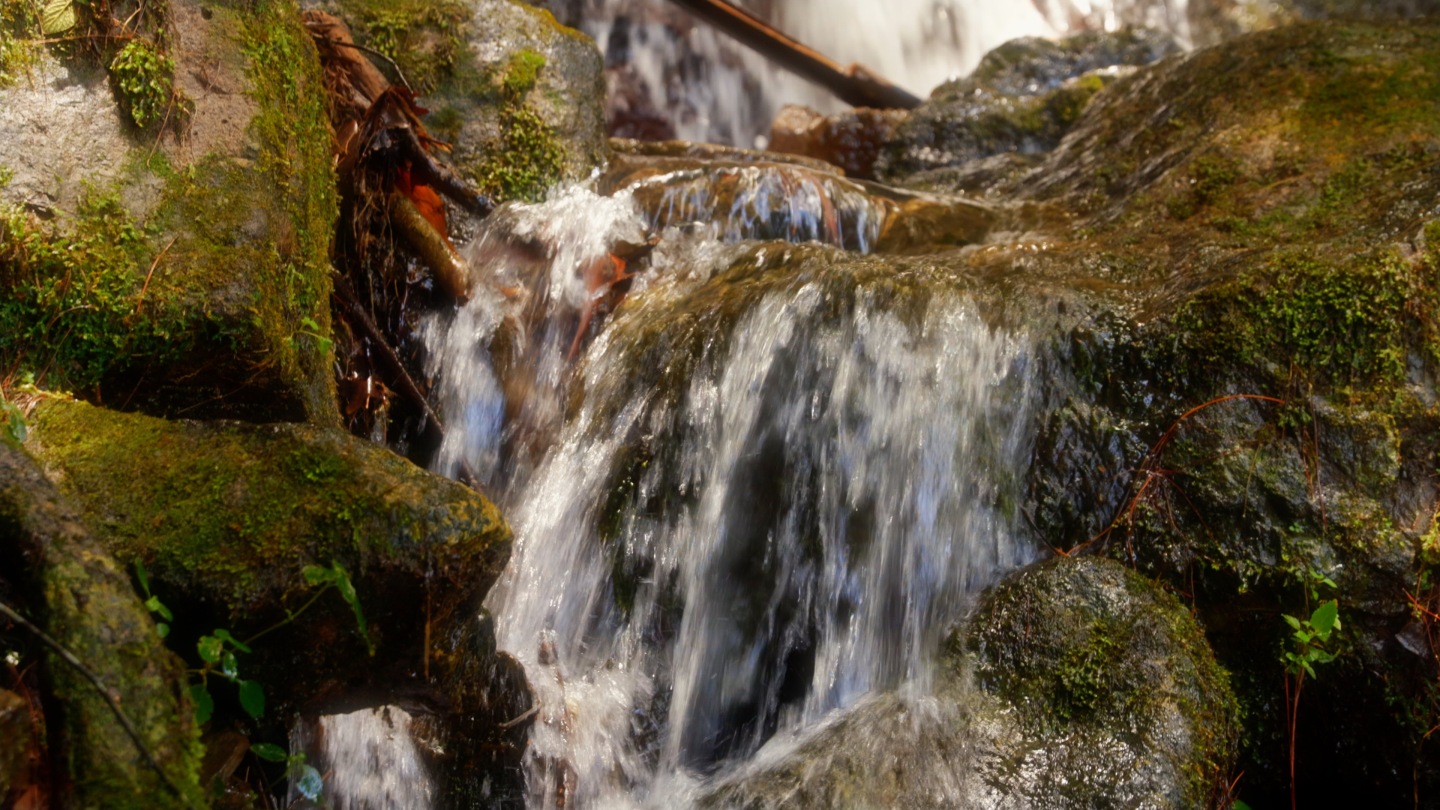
(712, 89)
(767, 488)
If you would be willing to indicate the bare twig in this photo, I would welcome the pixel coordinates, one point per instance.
(104, 691)
(139, 299)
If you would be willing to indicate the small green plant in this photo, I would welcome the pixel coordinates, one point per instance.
(12, 423)
(219, 651)
(305, 778)
(1310, 644)
(143, 76)
(311, 329)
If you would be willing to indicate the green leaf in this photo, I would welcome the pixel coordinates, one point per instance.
(315, 575)
(268, 752)
(1325, 618)
(1291, 620)
(144, 577)
(154, 605)
(309, 784)
(162, 628)
(224, 635)
(252, 698)
(347, 591)
(57, 17)
(1239, 805)
(204, 706)
(210, 649)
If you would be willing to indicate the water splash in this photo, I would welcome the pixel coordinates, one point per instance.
(369, 761)
(783, 474)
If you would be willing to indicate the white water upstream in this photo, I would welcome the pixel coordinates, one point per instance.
(714, 90)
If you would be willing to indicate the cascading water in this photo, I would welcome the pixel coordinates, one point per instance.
(763, 492)
(711, 89)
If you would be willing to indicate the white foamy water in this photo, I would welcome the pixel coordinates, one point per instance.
(368, 761)
(715, 90)
(784, 526)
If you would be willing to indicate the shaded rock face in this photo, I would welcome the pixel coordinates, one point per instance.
(1243, 372)
(83, 599)
(226, 516)
(1095, 688)
(1019, 101)
(198, 210)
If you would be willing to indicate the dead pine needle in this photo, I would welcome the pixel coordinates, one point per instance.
(1150, 469)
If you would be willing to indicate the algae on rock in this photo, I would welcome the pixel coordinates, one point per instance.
(225, 264)
(86, 603)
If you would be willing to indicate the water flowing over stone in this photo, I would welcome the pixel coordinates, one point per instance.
(711, 89)
(769, 485)
(371, 762)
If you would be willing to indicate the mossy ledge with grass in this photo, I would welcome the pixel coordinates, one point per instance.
(191, 276)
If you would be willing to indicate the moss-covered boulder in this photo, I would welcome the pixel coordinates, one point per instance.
(84, 601)
(226, 516)
(519, 96)
(1020, 100)
(1078, 684)
(1118, 698)
(166, 209)
(1242, 385)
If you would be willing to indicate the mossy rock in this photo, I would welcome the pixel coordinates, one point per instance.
(182, 267)
(227, 515)
(83, 599)
(1095, 689)
(520, 96)
(1022, 98)
(1244, 381)
(1098, 659)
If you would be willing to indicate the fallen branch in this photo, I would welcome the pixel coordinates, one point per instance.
(855, 85)
(434, 250)
(350, 307)
(70, 658)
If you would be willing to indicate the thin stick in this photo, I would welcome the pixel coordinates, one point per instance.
(139, 299)
(529, 713)
(104, 691)
(372, 52)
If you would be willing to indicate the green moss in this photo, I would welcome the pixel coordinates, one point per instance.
(79, 303)
(521, 72)
(1345, 325)
(425, 39)
(529, 157)
(233, 512)
(293, 130)
(18, 28)
(144, 81)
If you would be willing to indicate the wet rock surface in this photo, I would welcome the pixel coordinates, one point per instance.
(1021, 99)
(83, 599)
(203, 231)
(1096, 689)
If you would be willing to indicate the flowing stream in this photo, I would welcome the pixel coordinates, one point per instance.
(755, 473)
(713, 90)
(765, 490)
